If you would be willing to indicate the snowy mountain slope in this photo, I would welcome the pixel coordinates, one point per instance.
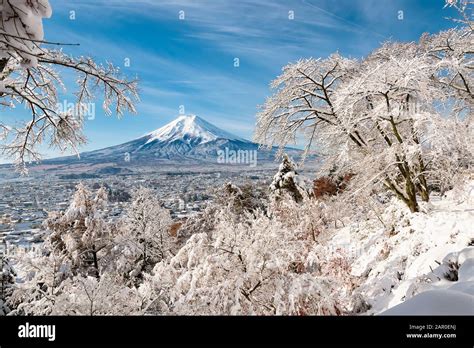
(415, 253)
(187, 138)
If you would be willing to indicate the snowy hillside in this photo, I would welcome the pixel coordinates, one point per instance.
(425, 258)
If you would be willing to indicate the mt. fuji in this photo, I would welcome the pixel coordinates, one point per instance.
(187, 139)
(191, 129)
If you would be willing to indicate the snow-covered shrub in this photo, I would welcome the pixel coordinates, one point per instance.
(258, 265)
(331, 184)
(103, 296)
(240, 200)
(203, 222)
(42, 280)
(324, 186)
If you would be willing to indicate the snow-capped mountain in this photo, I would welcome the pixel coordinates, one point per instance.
(191, 129)
(187, 138)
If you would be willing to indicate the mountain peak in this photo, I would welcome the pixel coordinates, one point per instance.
(190, 129)
(186, 118)
(190, 117)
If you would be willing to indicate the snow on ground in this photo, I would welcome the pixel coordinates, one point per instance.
(435, 302)
(453, 284)
(431, 252)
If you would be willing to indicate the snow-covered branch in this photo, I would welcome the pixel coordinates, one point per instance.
(29, 76)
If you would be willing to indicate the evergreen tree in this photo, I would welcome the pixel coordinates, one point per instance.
(286, 182)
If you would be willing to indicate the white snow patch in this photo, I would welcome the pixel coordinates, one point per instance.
(436, 302)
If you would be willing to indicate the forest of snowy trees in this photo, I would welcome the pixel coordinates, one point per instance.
(395, 135)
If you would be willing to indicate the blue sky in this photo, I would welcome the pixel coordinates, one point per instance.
(190, 62)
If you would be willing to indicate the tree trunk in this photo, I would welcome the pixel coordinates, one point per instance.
(423, 190)
(410, 191)
(96, 263)
(408, 196)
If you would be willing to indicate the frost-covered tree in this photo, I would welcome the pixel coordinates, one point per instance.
(30, 77)
(80, 233)
(144, 237)
(287, 183)
(378, 118)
